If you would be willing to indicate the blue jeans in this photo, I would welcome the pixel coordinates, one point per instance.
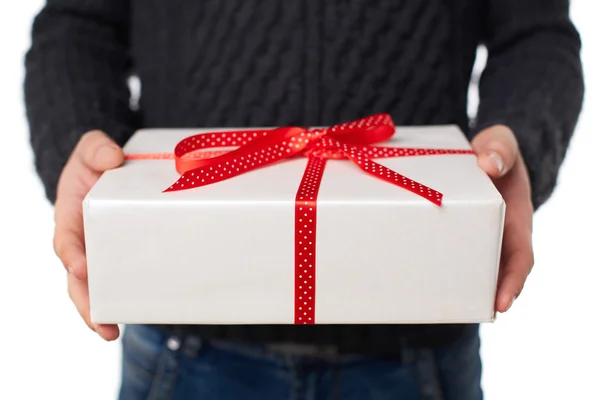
(159, 367)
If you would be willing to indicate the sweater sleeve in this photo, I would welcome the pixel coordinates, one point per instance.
(76, 73)
(533, 83)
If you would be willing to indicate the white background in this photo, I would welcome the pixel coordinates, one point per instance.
(547, 347)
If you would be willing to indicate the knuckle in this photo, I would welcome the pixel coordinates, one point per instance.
(88, 142)
(498, 138)
(525, 263)
(92, 135)
(64, 173)
(56, 245)
(531, 260)
(84, 141)
(59, 247)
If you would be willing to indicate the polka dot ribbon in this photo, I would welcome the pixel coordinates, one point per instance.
(200, 164)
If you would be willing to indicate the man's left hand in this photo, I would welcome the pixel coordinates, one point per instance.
(498, 155)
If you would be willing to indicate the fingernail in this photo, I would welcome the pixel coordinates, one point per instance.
(70, 269)
(511, 303)
(497, 160)
(105, 152)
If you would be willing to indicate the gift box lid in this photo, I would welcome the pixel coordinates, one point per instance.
(457, 176)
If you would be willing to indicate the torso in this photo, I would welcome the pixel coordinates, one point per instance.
(303, 62)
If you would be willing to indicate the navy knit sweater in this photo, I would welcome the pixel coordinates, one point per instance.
(218, 63)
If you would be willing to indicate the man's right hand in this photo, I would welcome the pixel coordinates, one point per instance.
(94, 154)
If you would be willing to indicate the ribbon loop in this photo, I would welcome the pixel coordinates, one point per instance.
(259, 148)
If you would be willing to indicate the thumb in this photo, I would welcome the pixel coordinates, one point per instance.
(99, 152)
(497, 150)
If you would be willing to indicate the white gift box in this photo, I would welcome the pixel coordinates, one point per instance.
(224, 253)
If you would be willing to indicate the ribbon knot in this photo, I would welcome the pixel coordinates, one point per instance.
(258, 148)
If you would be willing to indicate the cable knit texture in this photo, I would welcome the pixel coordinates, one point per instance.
(238, 63)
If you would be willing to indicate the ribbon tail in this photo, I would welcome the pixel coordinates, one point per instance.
(305, 241)
(382, 172)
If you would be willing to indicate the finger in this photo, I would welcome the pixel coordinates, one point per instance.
(68, 236)
(99, 152)
(496, 149)
(70, 250)
(514, 274)
(78, 291)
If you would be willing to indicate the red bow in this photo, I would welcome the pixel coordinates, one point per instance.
(258, 148)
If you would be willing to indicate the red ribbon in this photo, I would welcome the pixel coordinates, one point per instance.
(258, 148)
